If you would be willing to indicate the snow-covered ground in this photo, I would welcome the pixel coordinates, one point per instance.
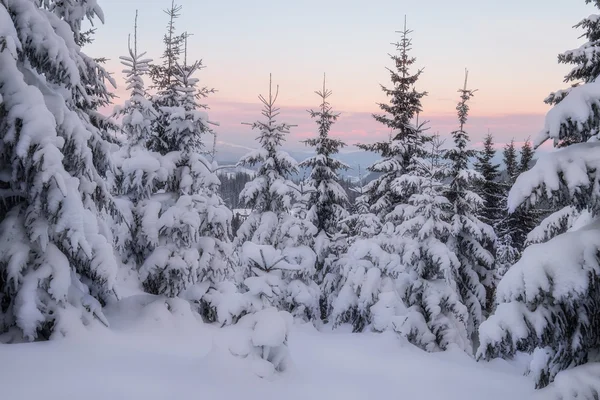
(154, 353)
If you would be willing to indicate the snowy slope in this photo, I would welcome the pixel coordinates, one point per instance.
(152, 353)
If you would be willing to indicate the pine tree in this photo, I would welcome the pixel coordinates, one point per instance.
(370, 267)
(511, 162)
(437, 316)
(385, 192)
(55, 260)
(470, 237)
(327, 203)
(138, 173)
(186, 226)
(527, 154)
(164, 77)
(489, 188)
(547, 303)
(507, 228)
(525, 218)
(361, 223)
(274, 245)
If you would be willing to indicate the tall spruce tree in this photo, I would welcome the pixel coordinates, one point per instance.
(367, 273)
(164, 77)
(507, 228)
(186, 226)
(470, 237)
(547, 303)
(525, 218)
(275, 246)
(385, 192)
(327, 204)
(489, 188)
(56, 263)
(366, 295)
(436, 316)
(328, 200)
(135, 181)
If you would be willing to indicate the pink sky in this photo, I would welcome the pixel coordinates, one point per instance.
(510, 48)
(359, 126)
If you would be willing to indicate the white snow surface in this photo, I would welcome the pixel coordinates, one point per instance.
(158, 349)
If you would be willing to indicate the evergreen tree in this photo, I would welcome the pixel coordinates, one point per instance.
(547, 303)
(55, 260)
(527, 154)
(511, 162)
(525, 218)
(186, 226)
(507, 229)
(361, 223)
(327, 203)
(489, 188)
(274, 245)
(385, 192)
(137, 169)
(164, 77)
(470, 236)
(371, 266)
(437, 315)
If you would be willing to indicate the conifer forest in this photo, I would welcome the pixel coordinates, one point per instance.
(135, 265)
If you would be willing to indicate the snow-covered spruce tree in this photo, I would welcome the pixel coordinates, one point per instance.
(506, 229)
(328, 200)
(327, 203)
(384, 192)
(275, 246)
(186, 228)
(56, 265)
(371, 265)
(360, 223)
(138, 171)
(548, 302)
(94, 79)
(471, 238)
(489, 187)
(436, 317)
(304, 189)
(165, 82)
(525, 218)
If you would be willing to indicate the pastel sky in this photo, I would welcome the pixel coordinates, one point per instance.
(510, 48)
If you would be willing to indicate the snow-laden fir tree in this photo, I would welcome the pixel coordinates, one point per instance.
(489, 187)
(370, 267)
(360, 223)
(328, 200)
(385, 192)
(525, 218)
(94, 78)
(184, 227)
(275, 246)
(327, 203)
(436, 317)
(548, 302)
(56, 263)
(165, 82)
(138, 170)
(508, 226)
(471, 238)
